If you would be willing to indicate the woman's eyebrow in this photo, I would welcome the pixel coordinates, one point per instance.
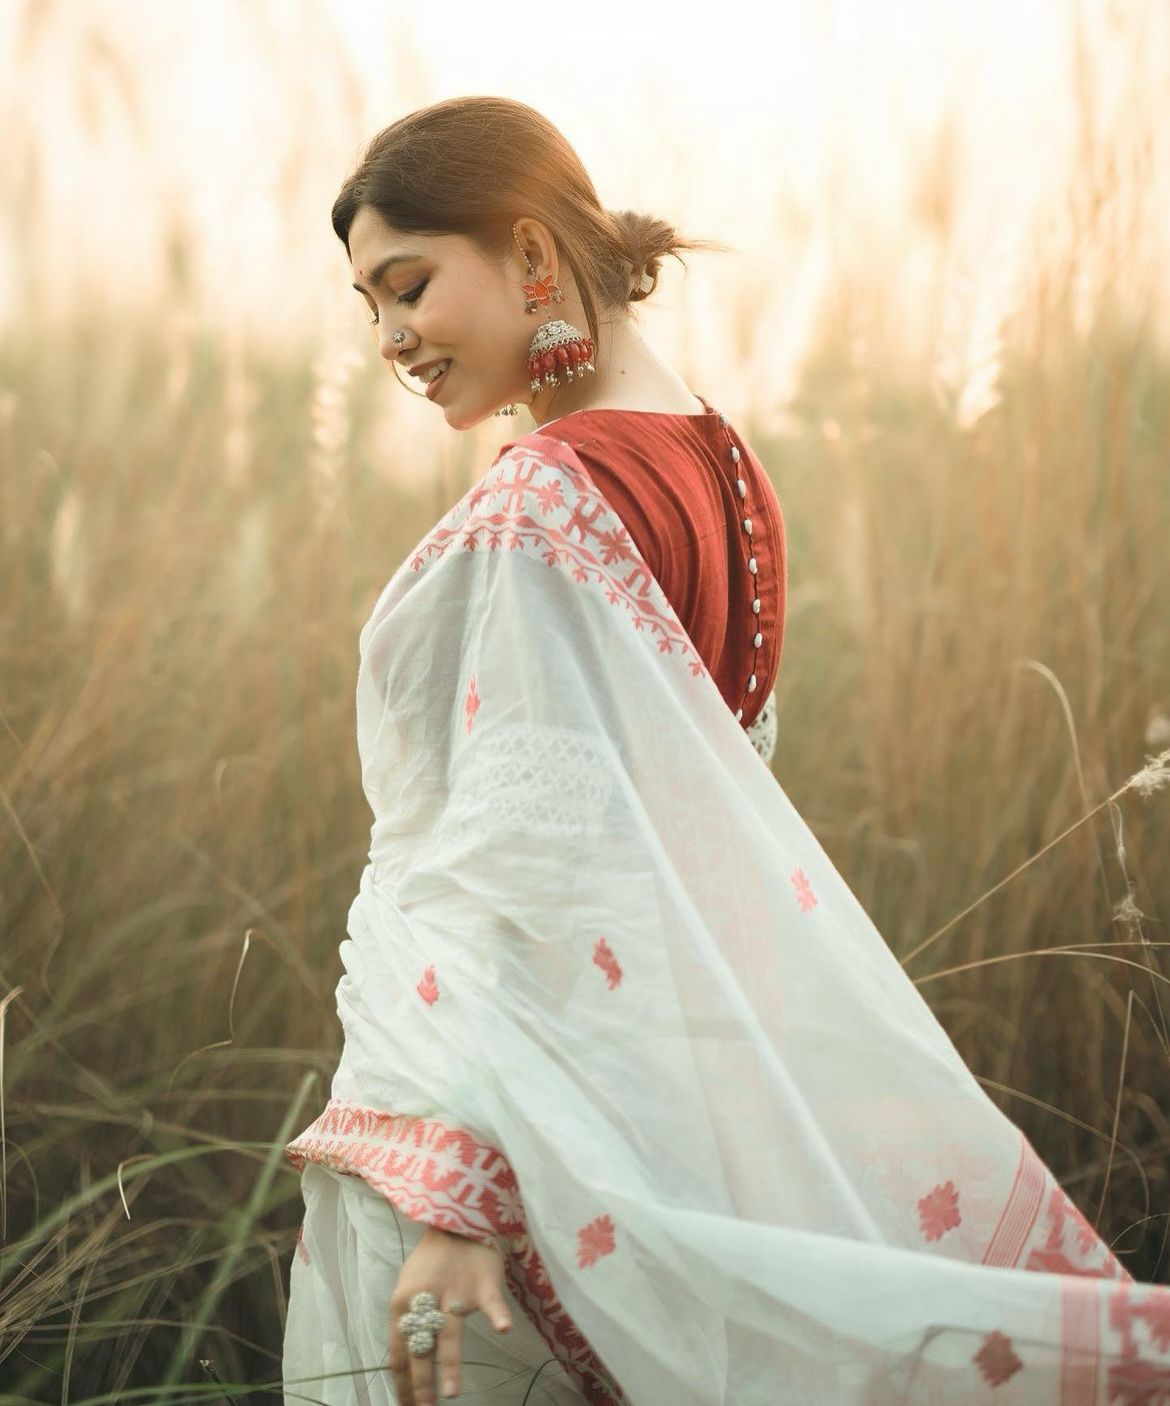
(382, 265)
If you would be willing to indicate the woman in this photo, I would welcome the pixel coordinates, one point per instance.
(634, 1105)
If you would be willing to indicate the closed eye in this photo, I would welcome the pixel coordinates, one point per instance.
(409, 298)
(415, 293)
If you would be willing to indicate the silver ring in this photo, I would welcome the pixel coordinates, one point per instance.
(399, 338)
(420, 1325)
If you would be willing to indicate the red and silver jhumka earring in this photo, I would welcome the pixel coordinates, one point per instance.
(558, 349)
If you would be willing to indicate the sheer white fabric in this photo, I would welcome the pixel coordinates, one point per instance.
(608, 1004)
(348, 1255)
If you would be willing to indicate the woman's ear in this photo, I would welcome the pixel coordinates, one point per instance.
(536, 239)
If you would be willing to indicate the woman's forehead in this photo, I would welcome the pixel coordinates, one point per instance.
(375, 245)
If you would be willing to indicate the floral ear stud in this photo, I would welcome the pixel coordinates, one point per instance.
(542, 292)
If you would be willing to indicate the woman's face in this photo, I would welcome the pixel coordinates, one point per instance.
(452, 303)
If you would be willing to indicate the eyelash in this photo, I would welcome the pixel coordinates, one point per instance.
(410, 298)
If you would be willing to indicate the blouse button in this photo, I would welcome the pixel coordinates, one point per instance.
(747, 526)
(759, 639)
(752, 684)
(741, 487)
(753, 565)
(756, 605)
(734, 455)
(723, 419)
(738, 714)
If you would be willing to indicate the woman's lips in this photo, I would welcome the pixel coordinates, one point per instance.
(433, 386)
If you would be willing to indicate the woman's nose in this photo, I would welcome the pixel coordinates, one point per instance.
(388, 348)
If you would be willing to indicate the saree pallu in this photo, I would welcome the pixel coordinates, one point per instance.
(608, 1005)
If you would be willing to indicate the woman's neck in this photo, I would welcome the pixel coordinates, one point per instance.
(630, 376)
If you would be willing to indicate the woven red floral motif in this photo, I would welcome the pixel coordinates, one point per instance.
(1157, 1318)
(1071, 1245)
(996, 1359)
(804, 894)
(604, 958)
(1135, 1380)
(1138, 1383)
(1041, 1229)
(430, 1171)
(428, 987)
(553, 509)
(471, 703)
(594, 1240)
(938, 1211)
(530, 1285)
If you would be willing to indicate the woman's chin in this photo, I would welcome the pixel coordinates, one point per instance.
(460, 418)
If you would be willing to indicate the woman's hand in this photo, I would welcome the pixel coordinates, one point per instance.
(456, 1270)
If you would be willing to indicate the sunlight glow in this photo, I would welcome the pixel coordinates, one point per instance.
(194, 151)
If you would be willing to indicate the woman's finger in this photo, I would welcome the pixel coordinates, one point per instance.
(496, 1309)
(450, 1354)
(400, 1359)
(422, 1379)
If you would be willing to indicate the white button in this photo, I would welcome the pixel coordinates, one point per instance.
(738, 714)
(734, 455)
(741, 487)
(753, 565)
(759, 639)
(756, 605)
(723, 419)
(752, 684)
(747, 526)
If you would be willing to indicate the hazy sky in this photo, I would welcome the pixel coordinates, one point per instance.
(815, 135)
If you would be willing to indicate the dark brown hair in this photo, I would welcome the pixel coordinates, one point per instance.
(474, 165)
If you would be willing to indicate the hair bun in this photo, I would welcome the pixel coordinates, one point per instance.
(647, 240)
(638, 283)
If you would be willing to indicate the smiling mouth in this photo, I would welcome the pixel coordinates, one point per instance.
(437, 380)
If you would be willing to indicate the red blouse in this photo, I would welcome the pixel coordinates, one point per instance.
(672, 479)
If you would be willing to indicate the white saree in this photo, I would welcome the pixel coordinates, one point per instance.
(608, 1005)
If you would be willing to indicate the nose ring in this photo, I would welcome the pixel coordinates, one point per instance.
(399, 338)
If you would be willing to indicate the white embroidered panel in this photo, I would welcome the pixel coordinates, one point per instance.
(538, 778)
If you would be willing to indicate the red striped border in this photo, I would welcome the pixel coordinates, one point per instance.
(1020, 1210)
(1080, 1338)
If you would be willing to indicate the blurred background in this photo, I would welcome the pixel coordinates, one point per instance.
(945, 326)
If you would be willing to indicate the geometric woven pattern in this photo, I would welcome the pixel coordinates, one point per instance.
(762, 733)
(539, 779)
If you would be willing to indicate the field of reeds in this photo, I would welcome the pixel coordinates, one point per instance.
(194, 522)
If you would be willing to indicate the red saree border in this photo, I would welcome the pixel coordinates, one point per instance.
(443, 1176)
(430, 1171)
(1020, 1210)
(511, 508)
(1041, 1228)
(1080, 1335)
(1107, 1317)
